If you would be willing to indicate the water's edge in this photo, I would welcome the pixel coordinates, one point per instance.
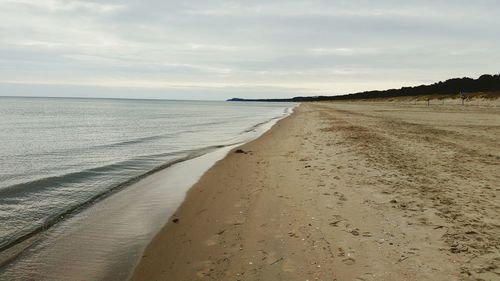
(15, 250)
(268, 126)
(7, 248)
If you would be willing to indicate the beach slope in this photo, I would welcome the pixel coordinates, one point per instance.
(345, 191)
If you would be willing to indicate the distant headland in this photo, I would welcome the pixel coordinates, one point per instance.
(488, 84)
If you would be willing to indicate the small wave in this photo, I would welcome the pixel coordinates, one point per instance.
(76, 177)
(287, 111)
(67, 178)
(254, 127)
(80, 150)
(134, 141)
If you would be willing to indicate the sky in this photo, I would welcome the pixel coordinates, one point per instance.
(217, 49)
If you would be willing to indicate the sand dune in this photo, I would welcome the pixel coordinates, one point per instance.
(345, 191)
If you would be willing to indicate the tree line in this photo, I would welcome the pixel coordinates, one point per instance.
(485, 83)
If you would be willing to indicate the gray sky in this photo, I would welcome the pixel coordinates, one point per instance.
(209, 49)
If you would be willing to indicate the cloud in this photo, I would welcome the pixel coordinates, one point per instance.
(295, 46)
(68, 6)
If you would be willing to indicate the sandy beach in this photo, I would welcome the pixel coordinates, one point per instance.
(345, 191)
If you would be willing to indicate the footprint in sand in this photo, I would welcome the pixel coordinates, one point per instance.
(335, 223)
(349, 261)
(341, 252)
(365, 277)
(340, 196)
(205, 269)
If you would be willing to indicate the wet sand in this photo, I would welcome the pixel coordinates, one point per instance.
(345, 191)
(105, 240)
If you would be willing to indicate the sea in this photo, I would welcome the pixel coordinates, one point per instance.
(61, 156)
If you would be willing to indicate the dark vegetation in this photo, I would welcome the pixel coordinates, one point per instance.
(450, 87)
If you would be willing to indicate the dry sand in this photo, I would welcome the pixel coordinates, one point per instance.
(345, 191)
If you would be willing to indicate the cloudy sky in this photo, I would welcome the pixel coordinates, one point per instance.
(215, 49)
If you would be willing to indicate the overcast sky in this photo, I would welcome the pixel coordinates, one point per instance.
(218, 49)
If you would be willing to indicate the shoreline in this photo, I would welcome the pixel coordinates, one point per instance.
(15, 248)
(120, 225)
(103, 227)
(318, 197)
(175, 219)
(263, 127)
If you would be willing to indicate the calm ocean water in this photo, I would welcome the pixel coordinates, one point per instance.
(57, 155)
